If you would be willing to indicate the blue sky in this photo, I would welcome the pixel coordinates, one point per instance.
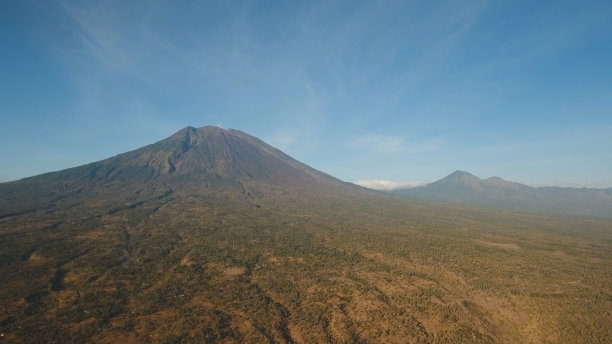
(399, 91)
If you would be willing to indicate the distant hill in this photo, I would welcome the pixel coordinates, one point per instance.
(495, 192)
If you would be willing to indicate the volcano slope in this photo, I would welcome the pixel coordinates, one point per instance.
(495, 192)
(212, 235)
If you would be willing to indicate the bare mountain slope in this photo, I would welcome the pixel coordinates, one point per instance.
(495, 192)
(202, 160)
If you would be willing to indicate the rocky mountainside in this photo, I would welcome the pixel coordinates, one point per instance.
(202, 160)
(495, 192)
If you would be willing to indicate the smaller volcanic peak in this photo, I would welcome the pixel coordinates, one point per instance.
(495, 192)
(469, 182)
(458, 174)
(497, 182)
(461, 178)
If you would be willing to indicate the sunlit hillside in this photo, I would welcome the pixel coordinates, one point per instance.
(214, 245)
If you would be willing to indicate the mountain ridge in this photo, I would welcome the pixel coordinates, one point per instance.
(216, 147)
(206, 159)
(496, 192)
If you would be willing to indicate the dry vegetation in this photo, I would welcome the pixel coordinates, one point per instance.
(193, 269)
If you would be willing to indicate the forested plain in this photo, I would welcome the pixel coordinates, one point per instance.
(180, 266)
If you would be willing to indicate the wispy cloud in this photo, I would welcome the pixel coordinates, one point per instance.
(100, 35)
(390, 144)
(379, 143)
(283, 139)
(387, 185)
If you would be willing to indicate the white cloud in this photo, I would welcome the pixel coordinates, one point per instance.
(387, 185)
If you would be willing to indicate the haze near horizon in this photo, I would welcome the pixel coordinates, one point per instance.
(396, 92)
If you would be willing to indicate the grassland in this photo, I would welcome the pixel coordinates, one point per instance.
(193, 268)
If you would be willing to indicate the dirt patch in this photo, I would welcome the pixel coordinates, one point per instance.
(201, 301)
(187, 261)
(274, 260)
(498, 245)
(36, 260)
(234, 271)
(295, 333)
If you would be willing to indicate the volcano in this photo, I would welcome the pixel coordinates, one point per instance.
(495, 192)
(196, 160)
(207, 153)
